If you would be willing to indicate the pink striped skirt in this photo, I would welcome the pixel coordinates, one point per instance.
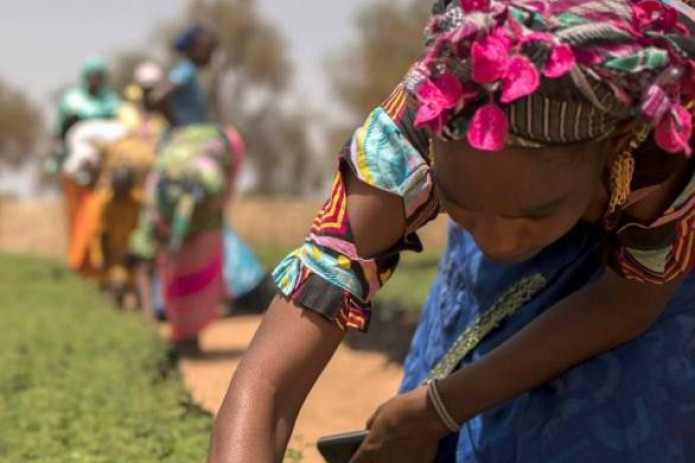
(193, 284)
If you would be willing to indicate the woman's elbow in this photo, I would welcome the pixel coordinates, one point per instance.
(637, 306)
(639, 318)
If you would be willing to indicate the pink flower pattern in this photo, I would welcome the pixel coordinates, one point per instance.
(501, 71)
(520, 80)
(495, 60)
(488, 128)
(436, 98)
(490, 57)
(654, 15)
(470, 6)
(560, 62)
(674, 132)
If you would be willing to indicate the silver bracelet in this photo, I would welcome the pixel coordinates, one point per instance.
(440, 408)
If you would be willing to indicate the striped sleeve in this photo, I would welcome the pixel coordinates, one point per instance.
(327, 274)
(664, 250)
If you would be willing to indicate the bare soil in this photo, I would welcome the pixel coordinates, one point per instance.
(351, 388)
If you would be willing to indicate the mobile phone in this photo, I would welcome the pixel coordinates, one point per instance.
(342, 447)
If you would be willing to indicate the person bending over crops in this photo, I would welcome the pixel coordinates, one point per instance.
(86, 143)
(119, 193)
(182, 226)
(556, 134)
(92, 99)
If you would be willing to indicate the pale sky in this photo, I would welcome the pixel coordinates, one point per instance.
(44, 41)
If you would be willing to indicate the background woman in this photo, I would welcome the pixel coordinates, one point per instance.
(182, 226)
(92, 99)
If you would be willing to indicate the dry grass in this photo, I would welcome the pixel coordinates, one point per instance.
(38, 228)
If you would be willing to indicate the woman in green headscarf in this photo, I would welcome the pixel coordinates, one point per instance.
(92, 99)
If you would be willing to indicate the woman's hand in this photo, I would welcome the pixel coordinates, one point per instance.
(406, 429)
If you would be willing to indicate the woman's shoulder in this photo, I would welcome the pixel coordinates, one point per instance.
(653, 166)
(388, 153)
(656, 238)
(182, 71)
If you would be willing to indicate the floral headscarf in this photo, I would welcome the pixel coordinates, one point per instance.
(555, 72)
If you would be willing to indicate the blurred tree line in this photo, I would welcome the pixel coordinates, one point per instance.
(250, 85)
(389, 41)
(20, 126)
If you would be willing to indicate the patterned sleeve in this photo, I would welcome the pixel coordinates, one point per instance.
(664, 250)
(326, 274)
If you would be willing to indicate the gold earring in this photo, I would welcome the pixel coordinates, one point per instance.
(623, 169)
(430, 153)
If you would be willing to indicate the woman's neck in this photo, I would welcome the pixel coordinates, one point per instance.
(597, 207)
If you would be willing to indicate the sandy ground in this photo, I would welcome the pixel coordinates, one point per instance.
(350, 389)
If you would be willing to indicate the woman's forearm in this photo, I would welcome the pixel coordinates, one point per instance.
(598, 318)
(245, 428)
(256, 420)
(286, 357)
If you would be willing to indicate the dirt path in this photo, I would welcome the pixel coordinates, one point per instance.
(349, 391)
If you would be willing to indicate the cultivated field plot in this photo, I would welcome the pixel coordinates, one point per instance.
(355, 383)
(82, 383)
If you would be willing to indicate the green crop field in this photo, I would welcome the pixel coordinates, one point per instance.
(83, 383)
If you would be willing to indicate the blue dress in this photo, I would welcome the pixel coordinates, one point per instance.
(634, 404)
(242, 270)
